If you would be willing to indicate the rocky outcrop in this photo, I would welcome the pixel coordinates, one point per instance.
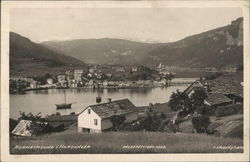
(235, 33)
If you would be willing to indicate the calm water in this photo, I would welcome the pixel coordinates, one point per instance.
(44, 100)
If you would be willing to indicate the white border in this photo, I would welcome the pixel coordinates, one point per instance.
(6, 5)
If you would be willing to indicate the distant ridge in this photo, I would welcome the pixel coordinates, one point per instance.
(29, 58)
(219, 48)
(102, 51)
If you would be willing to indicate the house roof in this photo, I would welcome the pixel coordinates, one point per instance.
(226, 84)
(21, 128)
(118, 107)
(217, 98)
(189, 89)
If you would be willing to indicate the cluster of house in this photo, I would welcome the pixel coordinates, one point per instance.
(90, 79)
(96, 79)
(77, 78)
(125, 84)
(22, 83)
(222, 91)
(164, 70)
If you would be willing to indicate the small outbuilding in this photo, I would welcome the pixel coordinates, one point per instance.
(21, 128)
(96, 118)
(217, 99)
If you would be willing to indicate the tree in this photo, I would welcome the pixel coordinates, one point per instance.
(198, 98)
(169, 76)
(42, 79)
(47, 76)
(200, 123)
(180, 102)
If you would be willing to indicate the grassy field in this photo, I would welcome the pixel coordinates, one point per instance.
(70, 142)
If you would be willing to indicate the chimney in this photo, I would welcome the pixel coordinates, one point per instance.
(109, 99)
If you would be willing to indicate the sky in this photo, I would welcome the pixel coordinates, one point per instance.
(140, 24)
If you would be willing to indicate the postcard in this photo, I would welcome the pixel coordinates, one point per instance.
(125, 81)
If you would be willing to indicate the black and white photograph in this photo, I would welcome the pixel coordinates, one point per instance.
(113, 78)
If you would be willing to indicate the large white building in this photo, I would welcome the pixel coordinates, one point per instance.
(78, 75)
(96, 118)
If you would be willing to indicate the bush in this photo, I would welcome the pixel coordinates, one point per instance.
(172, 128)
(200, 123)
(163, 116)
(118, 122)
(151, 124)
(228, 110)
(135, 126)
(38, 128)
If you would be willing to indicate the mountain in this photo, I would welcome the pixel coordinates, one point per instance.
(219, 48)
(29, 58)
(102, 51)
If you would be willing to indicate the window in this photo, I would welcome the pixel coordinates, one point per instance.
(95, 121)
(89, 110)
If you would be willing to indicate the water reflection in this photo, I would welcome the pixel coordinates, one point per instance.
(45, 100)
(44, 91)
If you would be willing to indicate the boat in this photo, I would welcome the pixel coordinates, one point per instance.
(64, 105)
(98, 99)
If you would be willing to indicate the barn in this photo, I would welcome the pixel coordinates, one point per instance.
(97, 118)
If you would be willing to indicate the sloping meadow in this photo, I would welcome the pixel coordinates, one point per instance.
(124, 142)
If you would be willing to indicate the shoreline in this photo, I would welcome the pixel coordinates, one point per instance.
(140, 87)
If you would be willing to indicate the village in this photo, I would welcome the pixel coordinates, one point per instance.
(207, 106)
(112, 77)
(105, 76)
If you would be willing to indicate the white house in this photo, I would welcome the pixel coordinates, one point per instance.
(50, 81)
(105, 84)
(34, 85)
(78, 75)
(134, 69)
(96, 118)
(61, 80)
